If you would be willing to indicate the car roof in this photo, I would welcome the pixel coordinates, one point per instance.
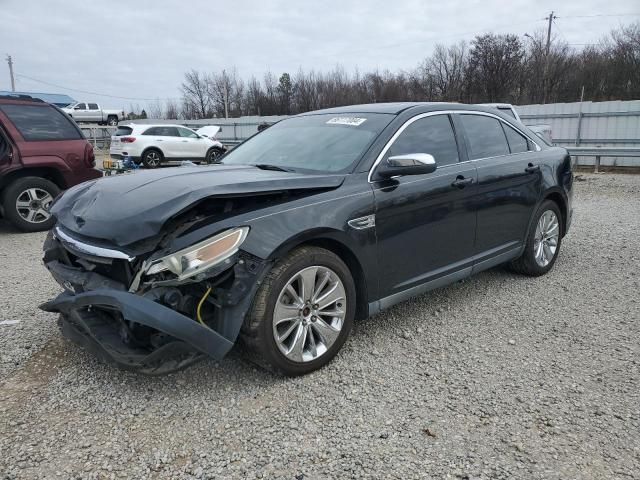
(139, 126)
(20, 100)
(396, 108)
(497, 105)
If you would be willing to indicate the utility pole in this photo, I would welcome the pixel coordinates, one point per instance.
(545, 81)
(13, 82)
(551, 18)
(226, 99)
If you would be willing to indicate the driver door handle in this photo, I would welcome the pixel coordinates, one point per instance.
(461, 182)
(532, 168)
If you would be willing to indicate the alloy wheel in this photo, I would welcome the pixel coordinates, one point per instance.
(546, 238)
(309, 314)
(153, 159)
(33, 205)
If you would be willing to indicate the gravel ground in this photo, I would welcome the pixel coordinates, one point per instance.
(500, 376)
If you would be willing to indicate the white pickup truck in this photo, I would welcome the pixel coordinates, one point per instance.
(92, 113)
(543, 131)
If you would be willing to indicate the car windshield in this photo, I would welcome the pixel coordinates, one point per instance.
(327, 143)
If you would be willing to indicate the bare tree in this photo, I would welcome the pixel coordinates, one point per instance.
(494, 65)
(253, 97)
(196, 98)
(226, 90)
(155, 109)
(624, 54)
(445, 70)
(494, 68)
(171, 110)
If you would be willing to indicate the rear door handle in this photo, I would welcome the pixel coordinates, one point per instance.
(461, 182)
(532, 168)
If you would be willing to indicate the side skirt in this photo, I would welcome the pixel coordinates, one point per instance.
(386, 302)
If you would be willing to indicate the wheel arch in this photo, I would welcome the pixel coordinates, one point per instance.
(330, 240)
(48, 173)
(152, 147)
(557, 197)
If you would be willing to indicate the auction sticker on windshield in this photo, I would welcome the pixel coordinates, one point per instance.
(353, 121)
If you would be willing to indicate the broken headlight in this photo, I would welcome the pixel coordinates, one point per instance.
(197, 258)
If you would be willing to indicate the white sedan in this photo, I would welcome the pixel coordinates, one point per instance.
(153, 144)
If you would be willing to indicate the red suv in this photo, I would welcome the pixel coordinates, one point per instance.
(42, 151)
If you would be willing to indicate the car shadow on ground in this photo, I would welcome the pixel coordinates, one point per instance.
(236, 373)
(6, 227)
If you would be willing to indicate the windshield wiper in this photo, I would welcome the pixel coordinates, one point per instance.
(267, 166)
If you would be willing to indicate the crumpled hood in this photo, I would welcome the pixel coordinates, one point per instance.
(127, 208)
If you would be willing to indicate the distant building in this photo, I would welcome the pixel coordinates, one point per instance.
(57, 99)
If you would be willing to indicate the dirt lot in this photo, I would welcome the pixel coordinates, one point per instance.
(499, 376)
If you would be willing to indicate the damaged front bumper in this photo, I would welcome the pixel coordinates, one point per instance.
(98, 320)
(151, 332)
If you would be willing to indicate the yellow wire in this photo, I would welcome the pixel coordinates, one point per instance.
(204, 297)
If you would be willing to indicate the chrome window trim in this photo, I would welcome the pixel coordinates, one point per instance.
(395, 136)
(516, 128)
(87, 248)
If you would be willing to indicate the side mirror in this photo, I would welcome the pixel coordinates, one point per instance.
(409, 164)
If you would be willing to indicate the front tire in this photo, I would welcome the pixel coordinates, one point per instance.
(543, 242)
(213, 155)
(152, 158)
(26, 203)
(302, 313)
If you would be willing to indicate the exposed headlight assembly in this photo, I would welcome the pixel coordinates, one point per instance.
(197, 258)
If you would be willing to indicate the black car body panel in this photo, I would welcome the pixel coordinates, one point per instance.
(399, 236)
(143, 203)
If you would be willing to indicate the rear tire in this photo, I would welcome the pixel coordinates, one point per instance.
(26, 203)
(322, 329)
(543, 242)
(152, 158)
(112, 120)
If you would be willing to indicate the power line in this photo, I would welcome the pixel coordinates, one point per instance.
(561, 32)
(93, 93)
(419, 42)
(602, 15)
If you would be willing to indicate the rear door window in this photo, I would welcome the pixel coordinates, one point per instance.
(41, 123)
(162, 132)
(485, 137)
(93, 106)
(168, 132)
(517, 142)
(433, 135)
(122, 131)
(151, 131)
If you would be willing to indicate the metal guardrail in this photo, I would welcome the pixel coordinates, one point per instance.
(98, 135)
(599, 152)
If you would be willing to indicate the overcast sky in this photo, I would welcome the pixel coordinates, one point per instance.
(141, 49)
